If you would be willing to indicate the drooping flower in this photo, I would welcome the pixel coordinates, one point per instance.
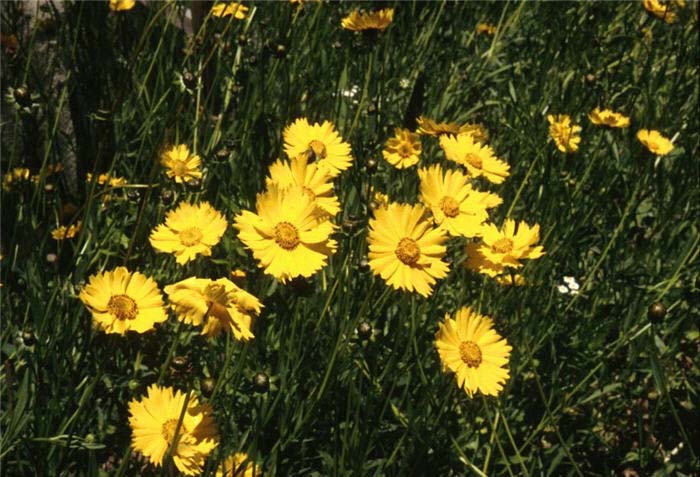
(454, 209)
(63, 232)
(363, 21)
(238, 465)
(403, 150)
(478, 158)
(18, 174)
(469, 347)
(405, 250)
(289, 235)
(609, 118)
(486, 28)
(121, 5)
(227, 9)
(430, 127)
(122, 301)
(506, 246)
(320, 141)
(154, 424)
(312, 180)
(180, 164)
(188, 231)
(217, 305)
(563, 132)
(660, 10)
(656, 142)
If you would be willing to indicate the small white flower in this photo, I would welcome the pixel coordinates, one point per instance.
(562, 289)
(570, 286)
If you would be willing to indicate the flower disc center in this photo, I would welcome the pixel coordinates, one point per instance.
(449, 206)
(318, 149)
(504, 245)
(168, 428)
(474, 160)
(286, 235)
(179, 168)
(405, 150)
(470, 353)
(123, 307)
(408, 251)
(190, 237)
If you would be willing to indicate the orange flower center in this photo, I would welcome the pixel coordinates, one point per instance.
(123, 307)
(318, 149)
(474, 160)
(408, 251)
(168, 428)
(405, 150)
(190, 237)
(504, 245)
(286, 235)
(179, 168)
(470, 353)
(449, 206)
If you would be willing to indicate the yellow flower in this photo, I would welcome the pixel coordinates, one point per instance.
(238, 465)
(607, 117)
(121, 5)
(289, 235)
(380, 199)
(180, 164)
(188, 231)
(226, 9)
(312, 180)
(486, 29)
(660, 10)
(428, 127)
(154, 426)
(506, 246)
(403, 150)
(218, 305)
(321, 141)
(477, 262)
(479, 159)
(102, 179)
(405, 250)
(63, 232)
(122, 301)
(469, 347)
(18, 174)
(454, 209)
(565, 134)
(508, 280)
(357, 21)
(656, 142)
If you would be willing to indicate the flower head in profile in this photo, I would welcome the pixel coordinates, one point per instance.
(216, 305)
(656, 142)
(113, 181)
(320, 142)
(405, 250)
(154, 425)
(478, 158)
(429, 127)
(18, 174)
(180, 164)
(469, 347)
(289, 235)
(238, 464)
(362, 21)
(448, 195)
(121, 5)
(310, 178)
(660, 10)
(486, 29)
(227, 9)
(122, 301)
(63, 232)
(403, 150)
(607, 117)
(188, 231)
(507, 247)
(563, 132)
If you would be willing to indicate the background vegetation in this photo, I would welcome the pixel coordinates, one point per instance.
(595, 388)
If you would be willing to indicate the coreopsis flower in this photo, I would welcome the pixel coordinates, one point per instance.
(121, 5)
(405, 250)
(660, 10)
(656, 142)
(486, 28)
(508, 280)
(289, 234)
(310, 178)
(154, 425)
(188, 231)
(63, 232)
(216, 305)
(609, 118)
(17, 174)
(227, 9)
(238, 465)
(564, 133)
(447, 195)
(380, 199)
(363, 21)
(477, 262)
(320, 141)
(122, 301)
(469, 347)
(180, 164)
(479, 159)
(507, 246)
(428, 127)
(403, 150)
(113, 181)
